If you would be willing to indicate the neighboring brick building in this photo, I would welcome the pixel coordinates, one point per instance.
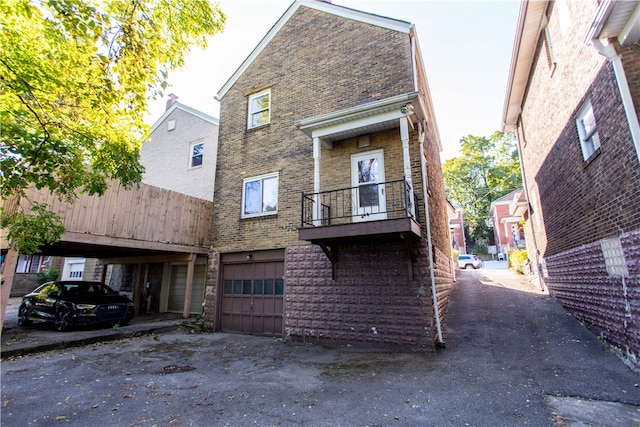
(181, 151)
(327, 133)
(573, 98)
(456, 229)
(507, 231)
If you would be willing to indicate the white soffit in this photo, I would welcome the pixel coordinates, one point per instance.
(530, 21)
(619, 19)
(377, 20)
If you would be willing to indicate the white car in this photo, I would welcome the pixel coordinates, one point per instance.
(465, 261)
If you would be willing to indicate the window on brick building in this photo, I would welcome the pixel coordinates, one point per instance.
(259, 109)
(260, 196)
(548, 48)
(197, 152)
(587, 130)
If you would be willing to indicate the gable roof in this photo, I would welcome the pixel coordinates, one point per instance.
(187, 109)
(345, 12)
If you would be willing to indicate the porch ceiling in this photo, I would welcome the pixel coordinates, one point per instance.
(374, 116)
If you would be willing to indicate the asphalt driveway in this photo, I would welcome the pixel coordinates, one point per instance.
(513, 357)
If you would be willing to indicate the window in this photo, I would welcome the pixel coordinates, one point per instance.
(548, 48)
(259, 109)
(197, 150)
(32, 263)
(260, 196)
(586, 123)
(614, 257)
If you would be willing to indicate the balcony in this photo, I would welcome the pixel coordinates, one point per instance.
(371, 211)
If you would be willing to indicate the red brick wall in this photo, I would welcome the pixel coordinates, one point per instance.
(576, 203)
(579, 280)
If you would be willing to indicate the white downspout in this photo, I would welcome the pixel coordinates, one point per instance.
(610, 53)
(425, 185)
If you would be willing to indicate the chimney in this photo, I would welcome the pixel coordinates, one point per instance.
(173, 98)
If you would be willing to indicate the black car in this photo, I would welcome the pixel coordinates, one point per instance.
(75, 303)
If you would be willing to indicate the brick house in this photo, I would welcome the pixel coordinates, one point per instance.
(507, 231)
(322, 222)
(456, 228)
(573, 98)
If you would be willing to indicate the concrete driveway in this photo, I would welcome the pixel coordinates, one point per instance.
(513, 357)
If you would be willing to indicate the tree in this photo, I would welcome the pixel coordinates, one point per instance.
(75, 80)
(487, 169)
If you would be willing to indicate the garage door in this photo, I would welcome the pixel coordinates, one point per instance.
(252, 297)
(179, 285)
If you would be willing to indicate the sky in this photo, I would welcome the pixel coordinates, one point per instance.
(466, 47)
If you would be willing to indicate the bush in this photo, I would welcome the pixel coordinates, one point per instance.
(517, 259)
(48, 275)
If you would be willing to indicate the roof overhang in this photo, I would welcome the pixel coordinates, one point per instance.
(616, 19)
(519, 205)
(531, 20)
(361, 119)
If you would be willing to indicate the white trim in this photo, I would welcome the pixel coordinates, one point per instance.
(191, 145)
(368, 18)
(358, 123)
(259, 178)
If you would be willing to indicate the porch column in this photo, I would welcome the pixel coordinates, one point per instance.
(404, 135)
(10, 263)
(189, 286)
(317, 212)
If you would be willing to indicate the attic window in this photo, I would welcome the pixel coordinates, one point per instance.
(171, 125)
(259, 109)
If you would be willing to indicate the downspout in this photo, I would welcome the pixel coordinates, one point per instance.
(610, 53)
(425, 183)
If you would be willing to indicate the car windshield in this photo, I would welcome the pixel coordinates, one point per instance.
(86, 289)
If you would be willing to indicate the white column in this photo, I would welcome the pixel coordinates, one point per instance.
(317, 212)
(404, 135)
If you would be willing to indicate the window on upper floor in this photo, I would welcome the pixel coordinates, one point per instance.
(259, 109)
(587, 130)
(548, 48)
(197, 152)
(260, 195)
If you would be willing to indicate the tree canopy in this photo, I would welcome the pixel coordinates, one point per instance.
(487, 169)
(76, 77)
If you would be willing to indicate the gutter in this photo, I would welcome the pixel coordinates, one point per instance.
(425, 183)
(610, 53)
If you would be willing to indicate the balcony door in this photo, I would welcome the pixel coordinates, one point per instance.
(367, 175)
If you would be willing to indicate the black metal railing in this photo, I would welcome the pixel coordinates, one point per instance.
(385, 200)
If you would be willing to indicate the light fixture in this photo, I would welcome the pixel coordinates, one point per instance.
(364, 141)
(249, 256)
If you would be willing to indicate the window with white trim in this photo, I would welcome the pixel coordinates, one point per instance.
(197, 152)
(259, 109)
(587, 130)
(260, 195)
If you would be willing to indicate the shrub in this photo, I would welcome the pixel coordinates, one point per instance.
(48, 275)
(517, 259)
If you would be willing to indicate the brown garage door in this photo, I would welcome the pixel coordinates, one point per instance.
(252, 297)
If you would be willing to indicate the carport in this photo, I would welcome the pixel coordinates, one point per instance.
(139, 226)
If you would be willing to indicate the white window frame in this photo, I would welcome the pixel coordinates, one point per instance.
(191, 156)
(587, 135)
(251, 113)
(262, 178)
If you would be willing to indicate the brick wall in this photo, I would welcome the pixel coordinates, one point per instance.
(371, 302)
(609, 305)
(575, 203)
(333, 66)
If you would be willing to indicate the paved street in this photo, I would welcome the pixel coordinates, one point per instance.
(513, 357)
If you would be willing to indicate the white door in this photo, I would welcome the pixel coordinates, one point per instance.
(367, 175)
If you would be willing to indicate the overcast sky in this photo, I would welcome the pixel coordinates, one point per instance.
(466, 47)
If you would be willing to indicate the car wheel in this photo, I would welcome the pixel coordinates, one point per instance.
(475, 268)
(23, 318)
(63, 319)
